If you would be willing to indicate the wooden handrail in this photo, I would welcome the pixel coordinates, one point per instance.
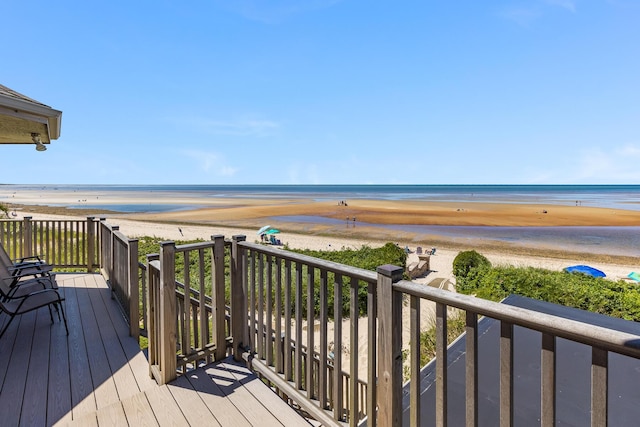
(591, 335)
(62, 243)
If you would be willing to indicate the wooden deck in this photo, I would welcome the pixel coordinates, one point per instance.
(98, 375)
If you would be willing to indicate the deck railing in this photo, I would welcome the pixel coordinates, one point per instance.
(81, 244)
(277, 300)
(63, 243)
(120, 266)
(280, 314)
(392, 291)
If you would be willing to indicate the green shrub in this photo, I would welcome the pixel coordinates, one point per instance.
(618, 299)
(366, 257)
(467, 261)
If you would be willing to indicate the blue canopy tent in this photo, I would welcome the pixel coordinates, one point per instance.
(585, 269)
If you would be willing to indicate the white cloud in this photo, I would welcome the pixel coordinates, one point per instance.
(228, 171)
(566, 4)
(274, 11)
(618, 165)
(209, 162)
(521, 16)
(242, 127)
(237, 127)
(525, 15)
(595, 165)
(627, 4)
(305, 174)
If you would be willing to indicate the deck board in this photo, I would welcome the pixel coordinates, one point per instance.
(123, 380)
(194, 410)
(264, 395)
(98, 376)
(14, 381)
(224, 410)
(103, 381)
(82, 397)
(113, 415)
(241, 397)
(35, 413)
(139, 412)
(165, 408)
(59, 388)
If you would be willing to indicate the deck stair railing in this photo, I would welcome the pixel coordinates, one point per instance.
(187, 321)
(184, 332)
(288, 295)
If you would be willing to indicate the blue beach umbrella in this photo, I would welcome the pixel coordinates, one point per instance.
(272, 231)
(585, 269)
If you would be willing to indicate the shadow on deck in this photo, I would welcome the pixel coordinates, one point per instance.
(99, 376)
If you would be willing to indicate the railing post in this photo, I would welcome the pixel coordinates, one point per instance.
(218, 296)
(239, 322)
(99, 232)
(133, 289)
(27, 240)
(599, 386)
(389, 347)
(167, 312)
(152, 308)
(112, 255)
(91, 243)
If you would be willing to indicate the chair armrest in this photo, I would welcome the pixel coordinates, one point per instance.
(39, 270)
(31, 270)
(34, 258)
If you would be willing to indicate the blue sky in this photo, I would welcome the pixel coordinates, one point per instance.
(328, 91)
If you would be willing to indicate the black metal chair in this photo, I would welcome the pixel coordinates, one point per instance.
(28, 290)
(28, 280)
(33, 301)
(26, 266)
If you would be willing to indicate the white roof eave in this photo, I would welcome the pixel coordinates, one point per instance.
(34, 112)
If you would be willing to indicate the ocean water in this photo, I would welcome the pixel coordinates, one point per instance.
(610, 240)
